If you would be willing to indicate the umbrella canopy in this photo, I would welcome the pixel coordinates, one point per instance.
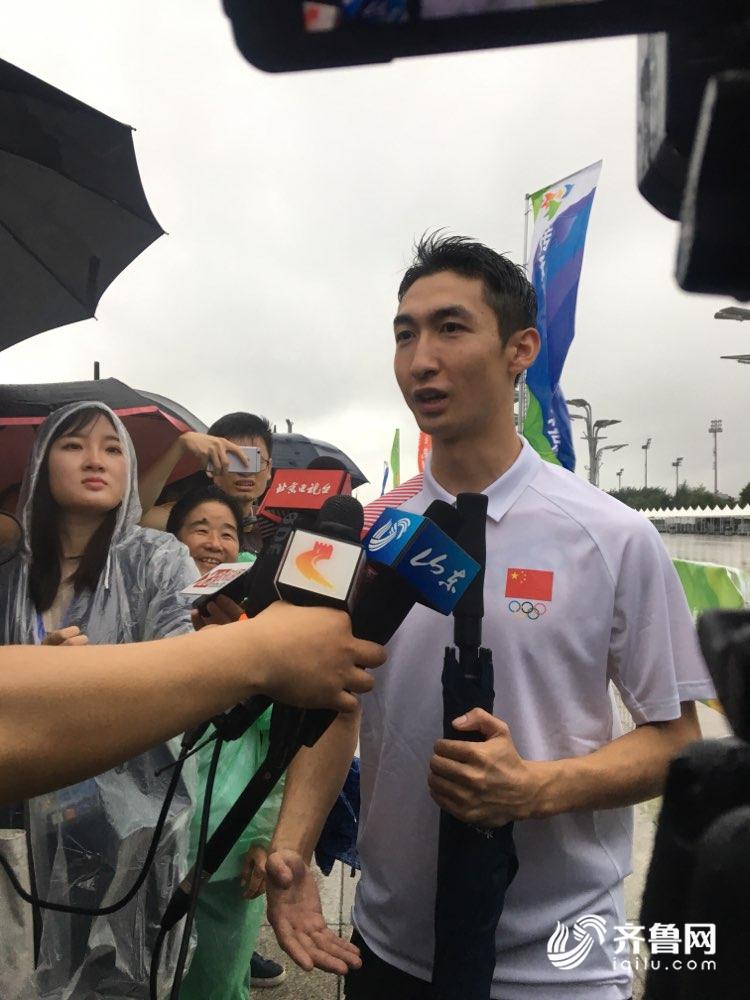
(152, 421)
(73, 213)
(295, 451)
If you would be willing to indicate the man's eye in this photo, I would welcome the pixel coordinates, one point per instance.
(402, 335)
(451, 327)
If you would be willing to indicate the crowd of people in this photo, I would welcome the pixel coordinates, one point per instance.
(105, 563)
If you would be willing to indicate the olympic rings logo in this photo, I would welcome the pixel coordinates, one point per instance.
(532, 611)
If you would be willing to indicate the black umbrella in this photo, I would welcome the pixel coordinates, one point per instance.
(152, 421)
(295, 451)
(73, 213)
(475, 866)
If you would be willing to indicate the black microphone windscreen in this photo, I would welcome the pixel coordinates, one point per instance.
(473, 509)
(342, 515)
(445, 516)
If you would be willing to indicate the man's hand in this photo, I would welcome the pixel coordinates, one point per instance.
(253, 876)
(221, 611)
(485, 784)
(296, 916)
(210, 450)
(70, 636)
(311, 659)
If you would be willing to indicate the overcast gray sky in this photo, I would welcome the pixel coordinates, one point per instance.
(291, 204)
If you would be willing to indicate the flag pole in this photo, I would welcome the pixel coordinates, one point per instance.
(522, 406)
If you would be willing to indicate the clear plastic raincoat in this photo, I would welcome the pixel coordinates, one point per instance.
(89, 841)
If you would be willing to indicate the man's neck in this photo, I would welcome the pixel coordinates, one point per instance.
(76, 529)
(470, 466)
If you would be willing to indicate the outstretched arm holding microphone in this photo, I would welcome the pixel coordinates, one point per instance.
(68, 713)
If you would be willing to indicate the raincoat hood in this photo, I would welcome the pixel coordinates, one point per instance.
(137, 596)
(129, 512)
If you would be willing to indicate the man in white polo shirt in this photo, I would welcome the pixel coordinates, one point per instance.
(579, 595)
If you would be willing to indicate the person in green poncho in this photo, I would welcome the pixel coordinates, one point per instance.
(227, 920)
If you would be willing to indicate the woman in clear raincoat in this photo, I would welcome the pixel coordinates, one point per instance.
(87, 563)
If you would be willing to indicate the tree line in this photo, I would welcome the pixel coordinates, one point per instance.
(656, 498)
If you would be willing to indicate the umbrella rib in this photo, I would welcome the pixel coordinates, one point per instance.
(40, 262)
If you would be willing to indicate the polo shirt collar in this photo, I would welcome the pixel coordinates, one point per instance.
(503, 493)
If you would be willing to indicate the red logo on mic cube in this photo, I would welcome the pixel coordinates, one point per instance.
(533, 584)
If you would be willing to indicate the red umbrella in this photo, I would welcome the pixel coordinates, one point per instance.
(152, 421)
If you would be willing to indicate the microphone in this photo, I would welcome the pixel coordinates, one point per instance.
(416, 561)
(262, 588)
(323, 567)
(423, 553)
(302, 490)
(303, 494)
(467, 632)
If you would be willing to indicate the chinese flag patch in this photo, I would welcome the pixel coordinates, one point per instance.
(534, 584)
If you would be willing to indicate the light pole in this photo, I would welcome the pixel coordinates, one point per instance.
(716, 428)
(600, 452)
(645, 447)
(619, 480)
(739, 313)
(593, 435)
(733, 312)
(676, 466)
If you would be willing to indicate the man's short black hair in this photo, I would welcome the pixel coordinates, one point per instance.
(243, 425)
(507, 290)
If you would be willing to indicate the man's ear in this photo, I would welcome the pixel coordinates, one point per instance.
(522, 350)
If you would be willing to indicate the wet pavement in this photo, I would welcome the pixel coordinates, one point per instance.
(726, 550)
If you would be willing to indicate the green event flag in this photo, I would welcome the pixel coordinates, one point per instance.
(708, 586)
(396, 458)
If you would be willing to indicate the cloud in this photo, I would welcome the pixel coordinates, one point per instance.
(292, 203)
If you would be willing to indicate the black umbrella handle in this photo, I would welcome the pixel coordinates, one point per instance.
(463, 691)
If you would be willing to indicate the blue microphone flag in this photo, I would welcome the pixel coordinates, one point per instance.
(423, 555)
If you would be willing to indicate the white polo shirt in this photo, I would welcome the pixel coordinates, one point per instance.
(613, 611)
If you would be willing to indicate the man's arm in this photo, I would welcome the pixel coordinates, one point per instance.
(67, 713)
(313, 782)
(489, 784)
(630, 769)
(204, 448)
